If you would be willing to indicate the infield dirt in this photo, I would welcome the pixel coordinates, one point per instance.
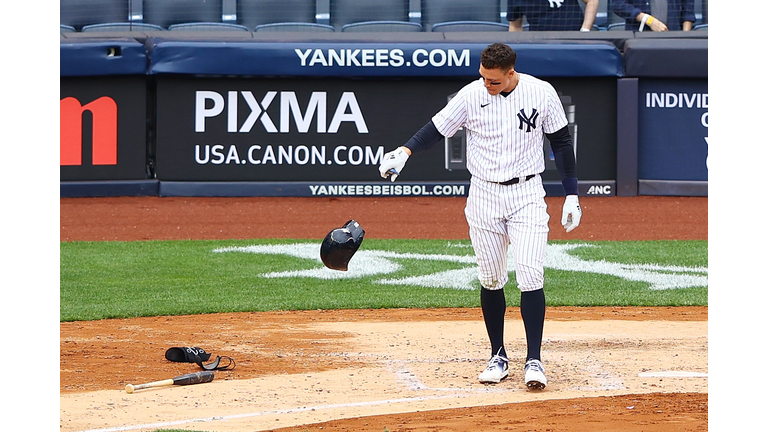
(632, 369)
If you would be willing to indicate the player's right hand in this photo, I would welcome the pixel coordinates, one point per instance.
(393, 162)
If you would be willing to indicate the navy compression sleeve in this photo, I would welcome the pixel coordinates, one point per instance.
(425, 138)
(565, 159)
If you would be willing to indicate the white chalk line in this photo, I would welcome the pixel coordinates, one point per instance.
(673, 374)
(285, 411)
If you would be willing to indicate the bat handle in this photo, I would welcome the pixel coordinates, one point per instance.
(130, 388)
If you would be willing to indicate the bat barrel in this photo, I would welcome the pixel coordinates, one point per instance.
(194, 378)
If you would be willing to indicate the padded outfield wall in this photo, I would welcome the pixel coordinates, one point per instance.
(232, 115)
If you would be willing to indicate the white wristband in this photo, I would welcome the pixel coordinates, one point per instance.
(642, 23)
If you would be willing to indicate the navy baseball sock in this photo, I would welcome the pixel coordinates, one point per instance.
(532, 309)
(494, 306)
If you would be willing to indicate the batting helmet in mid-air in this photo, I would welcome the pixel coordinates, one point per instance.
(340, 244)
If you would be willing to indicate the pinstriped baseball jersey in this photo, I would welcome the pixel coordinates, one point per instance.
(505, 134)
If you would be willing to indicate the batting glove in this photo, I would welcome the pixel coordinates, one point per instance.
(571, 213)
(393, 163)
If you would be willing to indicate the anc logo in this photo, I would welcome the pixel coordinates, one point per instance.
(367, 263)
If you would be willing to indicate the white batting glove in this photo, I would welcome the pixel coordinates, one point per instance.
(393, 163)
(571, 213)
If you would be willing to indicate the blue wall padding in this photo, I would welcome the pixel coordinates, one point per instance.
(119, 56)
(561, 59)
(666, 58)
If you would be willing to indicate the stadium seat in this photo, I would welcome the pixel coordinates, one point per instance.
(118, 27)
(601, 18)
(384, 14)
(294, 27)
(279, 15)
(612, 17)
(469, 26)
(382, 26)
(486, 13)
(67, 29)
(167, 13)
(79, 13)
(207, 26)
(619, 26)
(700, 9)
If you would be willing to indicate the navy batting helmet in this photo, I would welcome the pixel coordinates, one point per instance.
(340, 244)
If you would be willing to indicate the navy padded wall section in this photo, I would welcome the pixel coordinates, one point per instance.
(119, 56)
(666, 58)
(374, 59)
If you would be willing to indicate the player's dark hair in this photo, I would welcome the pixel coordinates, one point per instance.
(498, 56)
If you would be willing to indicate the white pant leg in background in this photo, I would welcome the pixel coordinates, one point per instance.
(499, 216)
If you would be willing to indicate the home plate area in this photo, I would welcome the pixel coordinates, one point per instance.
(408, 366)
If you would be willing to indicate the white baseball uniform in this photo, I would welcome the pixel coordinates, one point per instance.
(505, 138)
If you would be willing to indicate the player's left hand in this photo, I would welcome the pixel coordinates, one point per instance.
(571, 213)
(393, 162)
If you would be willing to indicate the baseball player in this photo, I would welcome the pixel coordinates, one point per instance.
(506, 115)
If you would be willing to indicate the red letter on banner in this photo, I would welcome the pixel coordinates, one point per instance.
(104, 111)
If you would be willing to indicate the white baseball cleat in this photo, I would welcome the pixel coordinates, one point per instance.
(534, 375)
(497, 370)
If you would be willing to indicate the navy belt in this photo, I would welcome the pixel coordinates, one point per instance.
(517, 180)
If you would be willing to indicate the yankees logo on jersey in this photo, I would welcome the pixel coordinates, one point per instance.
(529, 121)
(511, 151)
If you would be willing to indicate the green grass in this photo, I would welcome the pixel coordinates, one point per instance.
(150, 278)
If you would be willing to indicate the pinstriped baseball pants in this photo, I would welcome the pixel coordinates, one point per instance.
(501, 216)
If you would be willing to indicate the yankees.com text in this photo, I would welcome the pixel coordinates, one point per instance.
(387, 190)
(383, 57)
(288, 155)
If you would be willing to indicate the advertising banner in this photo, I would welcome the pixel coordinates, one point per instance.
(673, 129)
(336, 130)
(103, 128)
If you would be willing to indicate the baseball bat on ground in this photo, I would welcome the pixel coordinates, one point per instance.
(187, 379)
